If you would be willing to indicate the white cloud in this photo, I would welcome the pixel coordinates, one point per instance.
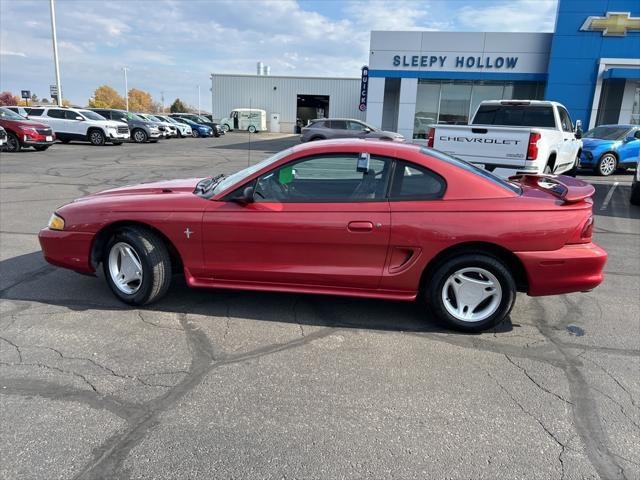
(512, 16)
(14, 54)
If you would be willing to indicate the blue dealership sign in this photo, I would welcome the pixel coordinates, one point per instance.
(364, 88)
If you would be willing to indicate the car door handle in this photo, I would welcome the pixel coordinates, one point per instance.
(360, 226)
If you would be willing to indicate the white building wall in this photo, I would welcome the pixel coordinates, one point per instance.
(407, 107)
(375, 101)
(279, 95)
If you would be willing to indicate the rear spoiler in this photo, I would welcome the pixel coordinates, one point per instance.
(567, 189)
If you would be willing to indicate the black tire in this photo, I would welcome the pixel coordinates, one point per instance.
(574, 169)
(13, 143)
(154, 258)
(607, 165)
(252, 129)
(436, 283)
(225, 128)
(635, 194)
(41, 148)
(195, 133)
(96, 137)
(139, 135)
(547, 169)
(117, 143)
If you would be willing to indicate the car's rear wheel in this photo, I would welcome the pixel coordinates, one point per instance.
(607, 164)
(471, 292)
(139, 135)
(13, 143)
(225, 127)
(137, 266)
(251, 129)
(97, 138)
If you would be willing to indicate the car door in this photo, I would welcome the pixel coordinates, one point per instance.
(357, 129)
(340, 129)
(55, 119)
(76, 123)
(316, 221)
(568, 150)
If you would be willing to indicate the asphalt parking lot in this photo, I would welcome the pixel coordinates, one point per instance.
(228, 384)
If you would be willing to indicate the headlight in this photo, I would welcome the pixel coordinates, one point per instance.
(56, 222)
(29, 131)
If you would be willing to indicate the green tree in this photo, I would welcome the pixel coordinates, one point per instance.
(178, 107)
(106, 97)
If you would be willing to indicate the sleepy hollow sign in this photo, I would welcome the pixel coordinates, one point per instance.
(364, 88)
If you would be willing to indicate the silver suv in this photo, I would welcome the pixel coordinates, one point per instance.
(328, 128)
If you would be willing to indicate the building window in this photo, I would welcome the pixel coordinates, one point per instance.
(454, 102)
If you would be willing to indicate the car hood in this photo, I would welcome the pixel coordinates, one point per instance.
(27, 123)
(593, 143)
(184, 185)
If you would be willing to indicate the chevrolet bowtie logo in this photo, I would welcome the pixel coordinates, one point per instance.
(615, 24)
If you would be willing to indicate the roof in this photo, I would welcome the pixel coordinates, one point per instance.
(266, 77)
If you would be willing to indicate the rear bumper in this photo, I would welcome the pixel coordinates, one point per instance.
(67, 249)
(572, 268)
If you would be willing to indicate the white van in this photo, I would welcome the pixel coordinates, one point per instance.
(249, 119)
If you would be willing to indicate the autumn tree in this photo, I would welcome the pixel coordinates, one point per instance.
(140, 101)
(7, 98)
(177, 106)
(106, 97)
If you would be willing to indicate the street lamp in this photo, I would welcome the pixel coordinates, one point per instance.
(126, 87)
(55, 51)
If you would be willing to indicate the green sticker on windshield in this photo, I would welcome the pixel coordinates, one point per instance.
(285, 176)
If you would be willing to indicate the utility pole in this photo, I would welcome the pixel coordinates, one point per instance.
(55, 50)
(162, 100)
(126, 87)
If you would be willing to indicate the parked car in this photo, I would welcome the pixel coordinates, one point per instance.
(514, 136)
(24, 111)
(184, 130)
(168, 128)
(141, 130)
(3, 137)
(216, 128)
(250, 119)
(635, 185)
(344, 217)
(609, 147)
(81, 124)
(22, 132)
(197, 129)
(330, 128)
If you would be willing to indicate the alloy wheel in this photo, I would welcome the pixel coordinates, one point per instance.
(125, 268)
(471, 294)
(607, 164)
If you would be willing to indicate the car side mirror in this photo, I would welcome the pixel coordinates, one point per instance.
(578, 129)
(79, 118)
(367, 130)
(630, 138)
(246, 197)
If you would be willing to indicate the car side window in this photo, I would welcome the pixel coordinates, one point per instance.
(56, 113)
(339, 124)
(325, 178)
(356, 126)
(414, 182)
(70, 115)
(36, 112)
(565, 120)
(120, 116)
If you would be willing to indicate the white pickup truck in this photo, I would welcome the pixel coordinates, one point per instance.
(509, 137)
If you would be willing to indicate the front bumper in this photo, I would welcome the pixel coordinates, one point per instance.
(572, 268)
(67, 249)
(587, 159)
(38, 141)
(117, 136)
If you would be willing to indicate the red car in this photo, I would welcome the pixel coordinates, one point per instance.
(345, 217)
(22, 132)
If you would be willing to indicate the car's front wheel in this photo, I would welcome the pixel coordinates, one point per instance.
(225, 128)
(139, 135)
(195, 133)
(137, 266)
(471, 292)
(251, 129)
(97, 138)
(607, 164)
(13, 142)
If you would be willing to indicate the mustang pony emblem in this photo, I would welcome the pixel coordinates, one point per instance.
(188, 233)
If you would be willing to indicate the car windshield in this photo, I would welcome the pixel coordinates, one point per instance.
(203, 119)
(133, 116)
(238, 177)
(157, 119)
(171, 119)
(91, 115)
(7, 114)
(607, 133)
(471, 168)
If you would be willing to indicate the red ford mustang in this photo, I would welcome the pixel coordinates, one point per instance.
(346, 217)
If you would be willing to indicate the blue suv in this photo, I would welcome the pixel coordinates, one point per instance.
(197, 130)
(609, 147)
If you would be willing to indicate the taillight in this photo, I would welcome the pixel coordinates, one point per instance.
(532, 150)
(586, 232)
(432, 133)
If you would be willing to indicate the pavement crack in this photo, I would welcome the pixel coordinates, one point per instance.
(544, 389)
(17, 348)
(542, 425)
(148, 322)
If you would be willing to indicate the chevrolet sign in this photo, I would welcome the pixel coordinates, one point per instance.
(615, 24)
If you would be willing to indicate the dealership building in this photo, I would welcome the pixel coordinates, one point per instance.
(590, 63)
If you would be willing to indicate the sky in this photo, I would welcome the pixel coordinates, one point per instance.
(172, 46)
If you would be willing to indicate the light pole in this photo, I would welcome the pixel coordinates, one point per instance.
(126, 87)
(198, 99)
(55, 51)
(162, 100)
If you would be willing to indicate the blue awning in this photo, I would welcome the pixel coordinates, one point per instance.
(627, 73)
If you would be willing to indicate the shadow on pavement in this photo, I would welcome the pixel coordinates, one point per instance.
(614, 204)
(29, 278)
(269, 145)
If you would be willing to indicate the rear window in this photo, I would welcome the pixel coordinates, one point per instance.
(471, 168)
(515, 116)
(318, 124)
(338, 124)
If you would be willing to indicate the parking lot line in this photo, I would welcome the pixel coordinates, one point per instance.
(607, 199)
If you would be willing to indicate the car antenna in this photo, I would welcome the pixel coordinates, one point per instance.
(248, 159)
